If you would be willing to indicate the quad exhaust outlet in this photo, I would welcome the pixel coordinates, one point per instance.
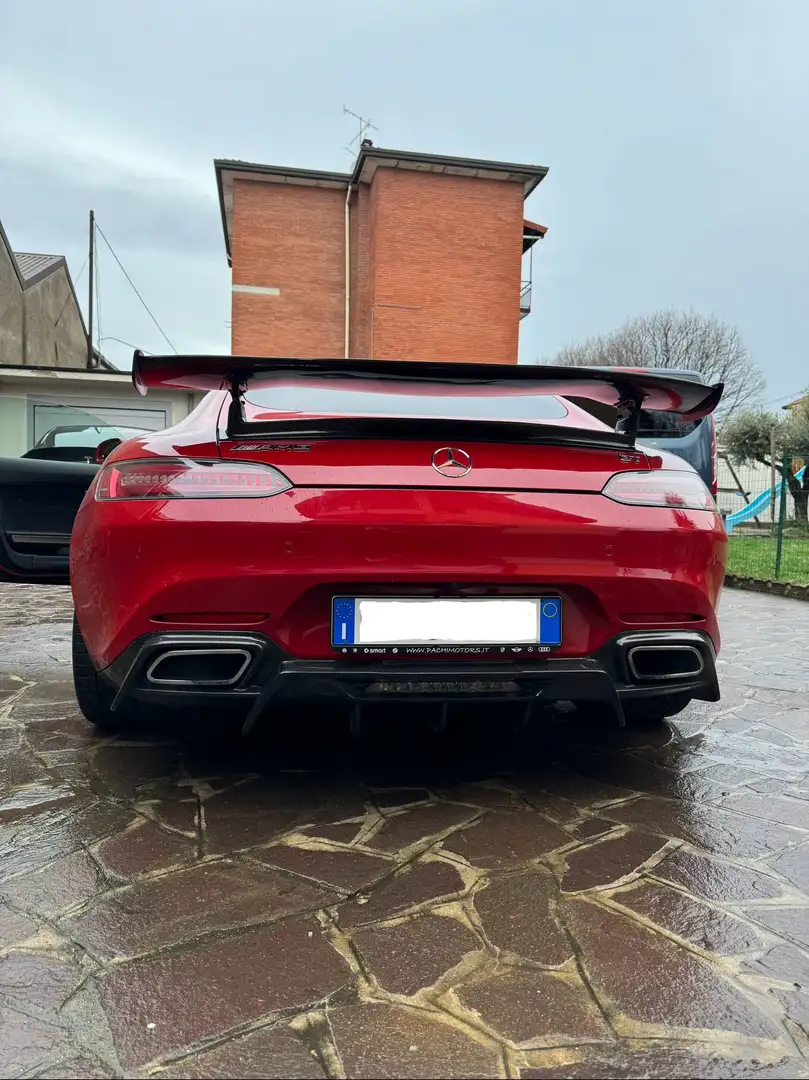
(198, 667)
(663, 662)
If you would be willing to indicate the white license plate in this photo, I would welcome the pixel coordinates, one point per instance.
(385, 621)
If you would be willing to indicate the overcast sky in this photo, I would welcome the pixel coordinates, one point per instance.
(675, 133)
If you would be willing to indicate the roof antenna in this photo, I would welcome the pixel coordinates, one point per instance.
(365, 125)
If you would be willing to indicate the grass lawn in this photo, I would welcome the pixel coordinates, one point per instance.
(754, 557)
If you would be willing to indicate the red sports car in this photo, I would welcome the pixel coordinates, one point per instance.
(385, 530)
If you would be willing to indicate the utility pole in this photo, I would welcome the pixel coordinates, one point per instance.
(90, 260)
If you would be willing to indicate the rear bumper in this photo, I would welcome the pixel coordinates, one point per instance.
(273, 565)
(251, 671)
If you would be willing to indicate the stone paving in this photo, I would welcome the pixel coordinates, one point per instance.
(569, 901)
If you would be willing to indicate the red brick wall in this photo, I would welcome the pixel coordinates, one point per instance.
(291, 238)
(435, 268)
(446, 266)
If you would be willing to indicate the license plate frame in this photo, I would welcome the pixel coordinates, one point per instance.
(346, 619)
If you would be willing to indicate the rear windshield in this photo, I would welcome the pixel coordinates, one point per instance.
(663, 425)
(411, 400)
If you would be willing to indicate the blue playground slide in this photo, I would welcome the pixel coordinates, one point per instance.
(758, 506)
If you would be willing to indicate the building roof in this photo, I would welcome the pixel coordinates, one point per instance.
(369, 159)
(802, 400)
(26, 371)
(531, 232)
(33, 268)
(533, 226)
(283, 173)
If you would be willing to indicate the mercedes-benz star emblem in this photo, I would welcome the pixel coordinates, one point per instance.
(451, 462)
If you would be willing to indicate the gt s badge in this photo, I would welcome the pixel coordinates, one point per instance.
(240, 447)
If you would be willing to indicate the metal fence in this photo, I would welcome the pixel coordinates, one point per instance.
(766, 519)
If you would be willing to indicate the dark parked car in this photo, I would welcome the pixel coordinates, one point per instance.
(79, 441)
(40, 493)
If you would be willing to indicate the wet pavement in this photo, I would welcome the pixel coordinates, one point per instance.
(567, 901)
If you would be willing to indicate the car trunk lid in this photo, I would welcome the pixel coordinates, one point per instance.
(329, 463)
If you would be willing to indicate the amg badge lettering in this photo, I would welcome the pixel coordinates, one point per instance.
(241, 447)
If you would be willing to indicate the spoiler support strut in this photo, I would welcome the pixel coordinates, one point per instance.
(236, 389)
(628, 418)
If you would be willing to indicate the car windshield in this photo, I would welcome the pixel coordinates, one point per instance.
(411, 399)
(62, 426)
(89, 435)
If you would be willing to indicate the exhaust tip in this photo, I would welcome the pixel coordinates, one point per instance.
(198, 667)
(655, 663)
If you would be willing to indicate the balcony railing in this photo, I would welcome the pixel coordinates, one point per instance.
(525, 299)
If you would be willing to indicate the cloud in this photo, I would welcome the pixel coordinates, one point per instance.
(148, 215)
(40, 130)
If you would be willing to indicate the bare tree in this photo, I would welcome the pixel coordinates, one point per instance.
(678, 339)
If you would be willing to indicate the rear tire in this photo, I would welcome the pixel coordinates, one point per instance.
(93, 695)
(655, 710)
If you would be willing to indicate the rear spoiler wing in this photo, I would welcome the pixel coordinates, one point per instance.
(626, 390)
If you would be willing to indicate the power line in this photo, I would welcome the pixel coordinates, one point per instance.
(135, 290)
(109, 337)
(784, 397)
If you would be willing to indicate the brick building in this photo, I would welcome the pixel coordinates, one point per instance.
(410, 256)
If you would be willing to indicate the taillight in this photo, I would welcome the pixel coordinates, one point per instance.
(181, 478)
(663, 487)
